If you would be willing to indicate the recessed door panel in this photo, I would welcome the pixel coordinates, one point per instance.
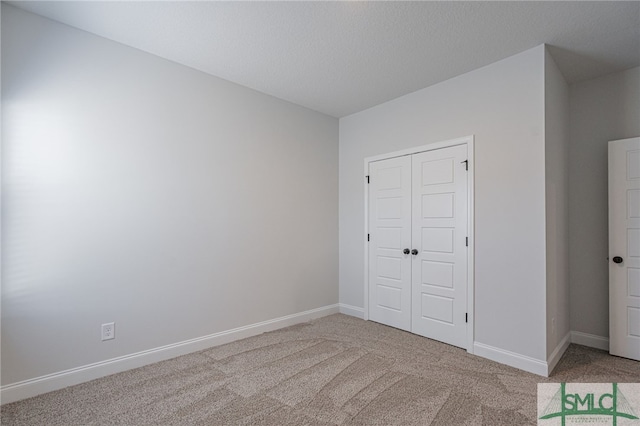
(633, 164)
(438, 206)
(389, 238)
(439, 274)
(633, 282)
(390, 267)
(390, 178)
(633, 321)
(437, 240)
(390, 208)
(389, 297)
(437, 172)
(633, 203)
(633, 241)
(437, 308)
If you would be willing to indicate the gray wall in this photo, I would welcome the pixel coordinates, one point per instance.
(556, 102)
(503, 105)
(140, 191)
(603, 109)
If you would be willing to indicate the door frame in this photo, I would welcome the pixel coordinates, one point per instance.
(469, 142)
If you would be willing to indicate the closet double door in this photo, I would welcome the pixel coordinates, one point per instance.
(418, 243)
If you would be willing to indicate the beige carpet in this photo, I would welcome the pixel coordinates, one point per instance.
(337, 370)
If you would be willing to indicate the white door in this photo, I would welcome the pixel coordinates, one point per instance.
(439, 235)
(418, 243)
(624, 248)
(390, 235)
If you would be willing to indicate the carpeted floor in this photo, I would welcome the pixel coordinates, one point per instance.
(337, 370)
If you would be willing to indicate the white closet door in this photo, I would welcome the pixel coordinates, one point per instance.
(390, 234)
(439, 233)
(624, 248)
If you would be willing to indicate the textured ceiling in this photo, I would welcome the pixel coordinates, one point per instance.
(342, 57)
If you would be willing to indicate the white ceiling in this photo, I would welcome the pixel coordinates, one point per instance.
(342, 57)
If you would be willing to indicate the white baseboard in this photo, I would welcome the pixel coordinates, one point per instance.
(354, 311)
(557, 353)
(39, 385)
(590, 340)
(512, 359)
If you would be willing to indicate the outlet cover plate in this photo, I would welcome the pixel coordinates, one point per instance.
(108, 331)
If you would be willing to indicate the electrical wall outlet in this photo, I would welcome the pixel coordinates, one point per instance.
(109, 331)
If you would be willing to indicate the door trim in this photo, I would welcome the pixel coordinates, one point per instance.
(469, 142)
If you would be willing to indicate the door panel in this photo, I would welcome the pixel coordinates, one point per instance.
(439, 274)
(437, 171)
(438, 206)
(633, 278)
(437, 308)
(437, 240)
(439, 229)
(633, 164)
(390, 233)
(624, 241)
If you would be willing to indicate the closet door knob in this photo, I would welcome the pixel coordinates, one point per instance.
(414, 252)
(405, 251)
(617, 259)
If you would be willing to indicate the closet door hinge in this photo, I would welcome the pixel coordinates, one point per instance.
(368, 236)
(466, 317)
(367, 178)
(466, 241)
(466, 164)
